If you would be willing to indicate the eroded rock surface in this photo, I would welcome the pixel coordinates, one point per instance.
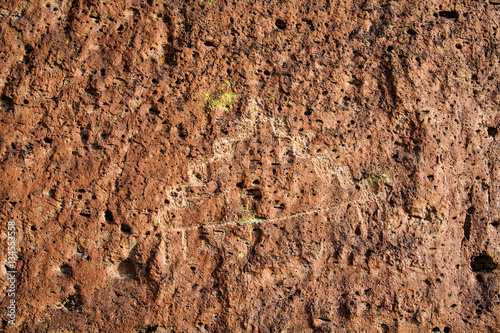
(363, 135)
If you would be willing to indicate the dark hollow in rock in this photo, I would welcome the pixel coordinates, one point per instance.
(66, 269)
(449, 14)
(108, 216)
(127, 269)
(280, 24)
(483, 263)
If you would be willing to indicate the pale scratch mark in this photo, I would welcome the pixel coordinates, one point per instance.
(184, 244)
(283, 218)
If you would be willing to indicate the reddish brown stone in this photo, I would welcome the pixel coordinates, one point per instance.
(364, 139)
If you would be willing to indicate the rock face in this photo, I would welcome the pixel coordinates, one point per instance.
(241, 166)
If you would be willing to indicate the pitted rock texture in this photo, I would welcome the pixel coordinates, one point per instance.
(364, 139)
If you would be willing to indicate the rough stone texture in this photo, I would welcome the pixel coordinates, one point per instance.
(365, 136)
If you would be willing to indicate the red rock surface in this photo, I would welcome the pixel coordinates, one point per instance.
(364, 138)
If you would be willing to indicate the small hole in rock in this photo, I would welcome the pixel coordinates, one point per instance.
(66, 269)
(126, 269)
(73, 303)
(108, 216)
(280, 24)
(449, 14)
(411, 32)
(483, 263)
(255, 193)
(85, 138)
(182, 131)
(126, 229)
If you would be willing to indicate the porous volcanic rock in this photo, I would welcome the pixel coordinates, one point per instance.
(251, 166)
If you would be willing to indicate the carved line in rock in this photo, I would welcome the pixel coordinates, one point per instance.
(240, 223)
(223, 150)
